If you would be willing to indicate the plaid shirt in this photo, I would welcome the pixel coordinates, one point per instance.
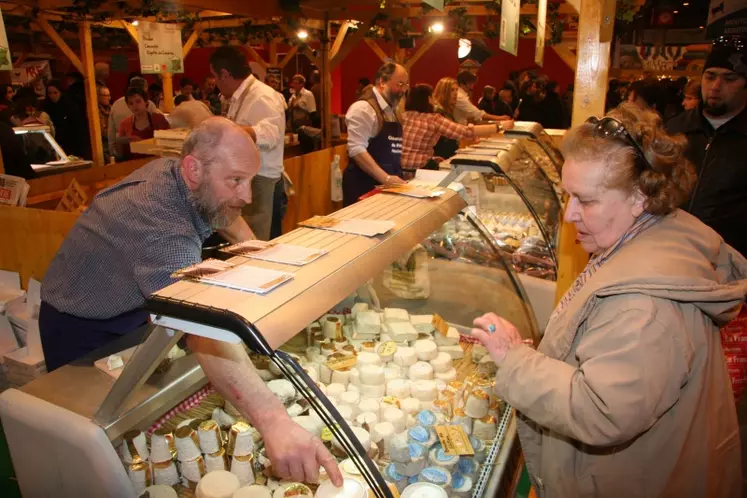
(127, 244)
(421, 133)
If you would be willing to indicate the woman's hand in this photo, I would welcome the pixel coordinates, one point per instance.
(393, 180)
(496, 334)
(507, 124)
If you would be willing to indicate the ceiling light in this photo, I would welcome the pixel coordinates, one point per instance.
(465, 47)
(701, 27)
(437, 27)
(686, 4)
(135, 22)
(302, 34)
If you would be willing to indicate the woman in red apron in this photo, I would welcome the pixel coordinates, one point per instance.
(139, 126)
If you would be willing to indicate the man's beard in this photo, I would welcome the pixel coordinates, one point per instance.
(393, 98)
(219, 216)
(715, 110)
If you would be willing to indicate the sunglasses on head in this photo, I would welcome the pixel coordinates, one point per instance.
(608, 127)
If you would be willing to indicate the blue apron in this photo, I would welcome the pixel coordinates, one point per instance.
(386, 150)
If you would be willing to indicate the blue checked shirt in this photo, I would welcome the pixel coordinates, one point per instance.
(126, 245)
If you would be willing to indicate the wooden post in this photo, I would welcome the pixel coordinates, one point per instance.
(167, 81)
(590, 91)
(326, 73)
(92, 99)
(274, 52)
(291, 53)
(377, 50)
(257, 58)
(339, 39)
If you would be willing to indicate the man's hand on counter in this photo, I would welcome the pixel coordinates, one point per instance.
(297, 454)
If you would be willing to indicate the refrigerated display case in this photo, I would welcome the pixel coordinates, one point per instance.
(539, 141)
(66, 425)
(45, 154)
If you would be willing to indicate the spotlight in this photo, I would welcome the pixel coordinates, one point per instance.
(465, 47)
(303, 34)
(475, 50)
(437, 27)
(135, 22)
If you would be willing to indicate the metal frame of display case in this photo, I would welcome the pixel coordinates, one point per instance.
(535, 131)
(46, 169)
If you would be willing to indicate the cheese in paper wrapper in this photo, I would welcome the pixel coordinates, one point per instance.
(192, 472)
(162, 446)
(187, 443)
(140, 476)
(165, 473)
(243, 468)
(211, 440)
(134, 447)
(217, 461)
(240, 440)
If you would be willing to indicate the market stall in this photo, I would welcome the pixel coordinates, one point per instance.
(45, 154)
(356, 276)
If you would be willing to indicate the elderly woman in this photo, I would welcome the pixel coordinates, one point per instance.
(628, 394)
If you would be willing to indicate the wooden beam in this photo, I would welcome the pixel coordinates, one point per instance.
(92, 101)
(293, 50)
(190, 42)
(167, 82)
(429, 42)
(57, 40)
(326, 102)
(608, 21)
(257, 58)
(132, 30)
(377, 50)
(566, 54)
(274, 52)
(575, 4)
(339, 39)
(349, 44)
(317, 61)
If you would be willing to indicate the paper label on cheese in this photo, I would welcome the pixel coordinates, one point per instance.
(440, 324)
(342, 363)
(387, 348)
(454, 440)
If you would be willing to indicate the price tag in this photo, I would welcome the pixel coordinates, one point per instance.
(454, 440)
(440, 324)
(342, 363)
(387, 348)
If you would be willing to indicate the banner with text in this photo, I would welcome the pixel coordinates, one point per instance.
(661, 59)
(510, 11)
(5, 61)
(160, 48)
(539, 56)
(727, 17)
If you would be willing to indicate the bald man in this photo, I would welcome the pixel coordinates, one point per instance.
(126, 246)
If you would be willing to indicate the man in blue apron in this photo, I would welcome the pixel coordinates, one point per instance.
(127, 244)
(375, 134)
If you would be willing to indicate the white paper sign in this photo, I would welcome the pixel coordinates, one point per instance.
(539, 56)
(5, 61)
(510, 11)
(160, 48)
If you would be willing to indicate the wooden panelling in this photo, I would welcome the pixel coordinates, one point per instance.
(35, 237)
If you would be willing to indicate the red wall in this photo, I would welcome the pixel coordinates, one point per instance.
(441, 61)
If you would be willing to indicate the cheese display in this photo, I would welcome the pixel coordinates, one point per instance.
(218, 484)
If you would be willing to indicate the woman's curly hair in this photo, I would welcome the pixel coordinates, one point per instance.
(666, 184)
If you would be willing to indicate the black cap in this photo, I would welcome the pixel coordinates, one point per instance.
(728, 53)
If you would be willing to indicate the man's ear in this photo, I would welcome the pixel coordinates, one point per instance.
(193, 171)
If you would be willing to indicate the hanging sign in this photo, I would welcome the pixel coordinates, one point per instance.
(727, 18)
(510, 10)
(5, 62)
(160, 48)
(539, 56)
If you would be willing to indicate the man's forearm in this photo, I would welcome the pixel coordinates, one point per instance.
(232, 374)
(239, 231)
(370, 167)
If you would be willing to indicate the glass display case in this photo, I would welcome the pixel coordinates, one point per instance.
(515, 198)
(538, 139)
(401, 303)
(44, 153)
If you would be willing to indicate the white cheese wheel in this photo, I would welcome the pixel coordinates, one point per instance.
(354, 377)
(424, 390)
(399, 450)
(447, 376)
(396, 417)
(405, 356)
(441, 363)
(369, 418)
(373, 391)
(420, 371)
(312, 372)
(392, 371)
(346, 412)
(399, 388)
(477, 405)
(283, 390)
(340, 377)
(161, 491)
(253, 491)
(456, 352)
(325, 374)
(426, 349)
(217, 484)
(383, 432)
(351, 399)
(368, 346)
(372, 375)
(484, 428)
(314, 425)
(354, 388)
(357, 308)
(370, 405)
(351, 488)
(312, 352)
(411, 406)
(366, 358)
(368, 323)
(361, 434)
(335, 390)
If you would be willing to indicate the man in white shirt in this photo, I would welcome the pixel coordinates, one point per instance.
(375, 134)
(465, 111)
(258, 109)
(302, 98)
(120, 111)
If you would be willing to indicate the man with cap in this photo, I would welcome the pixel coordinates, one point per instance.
(717, 133)
(119, 111)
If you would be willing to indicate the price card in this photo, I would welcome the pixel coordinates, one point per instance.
(440, 324)
(342, 363)
(387, 348)
(454, 440)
